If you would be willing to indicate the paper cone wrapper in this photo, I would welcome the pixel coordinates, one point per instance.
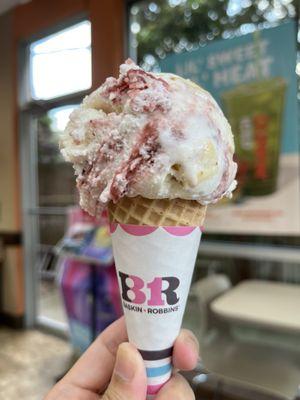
(154, 267)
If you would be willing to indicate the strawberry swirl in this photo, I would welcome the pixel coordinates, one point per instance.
(149, 134)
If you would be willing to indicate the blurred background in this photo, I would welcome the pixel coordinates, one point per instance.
(58, 287)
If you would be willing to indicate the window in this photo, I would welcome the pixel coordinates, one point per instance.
(55, 177)
(233, 348)
(58, 77)
(60, 64)
(160, 28)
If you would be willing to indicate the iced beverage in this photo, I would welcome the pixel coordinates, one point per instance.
(255, 112)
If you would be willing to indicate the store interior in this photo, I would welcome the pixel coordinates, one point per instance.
(58, 286)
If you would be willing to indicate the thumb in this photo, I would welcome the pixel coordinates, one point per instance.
(129, 381)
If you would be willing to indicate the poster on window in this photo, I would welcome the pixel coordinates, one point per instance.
(253, 79)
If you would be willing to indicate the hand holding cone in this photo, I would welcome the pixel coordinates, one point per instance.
(155, 244)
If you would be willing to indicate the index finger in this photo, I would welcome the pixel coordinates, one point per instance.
(94, 368)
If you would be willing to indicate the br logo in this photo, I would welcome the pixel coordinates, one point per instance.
(137, 287)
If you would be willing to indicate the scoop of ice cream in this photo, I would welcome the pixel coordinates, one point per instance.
(154, 135)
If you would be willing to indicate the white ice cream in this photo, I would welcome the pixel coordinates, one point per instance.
(154, 135)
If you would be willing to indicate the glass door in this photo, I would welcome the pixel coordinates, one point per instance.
(55, 192)
(57, 77)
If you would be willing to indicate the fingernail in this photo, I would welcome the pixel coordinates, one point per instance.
(191, 340)
(124, 368)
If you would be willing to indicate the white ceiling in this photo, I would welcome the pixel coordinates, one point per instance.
(5, 5)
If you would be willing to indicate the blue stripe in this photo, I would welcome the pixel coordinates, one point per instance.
(158, 371)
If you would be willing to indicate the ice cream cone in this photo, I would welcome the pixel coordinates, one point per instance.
(157, 212)
(155, 244)
(136, 138)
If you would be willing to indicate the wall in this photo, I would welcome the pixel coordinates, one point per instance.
(12, 293)
(7, 145)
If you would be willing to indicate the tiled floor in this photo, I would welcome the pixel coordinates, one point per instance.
(29, 363)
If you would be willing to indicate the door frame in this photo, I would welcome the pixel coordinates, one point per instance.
(32, 21)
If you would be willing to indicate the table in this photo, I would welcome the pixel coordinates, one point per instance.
(261, 303)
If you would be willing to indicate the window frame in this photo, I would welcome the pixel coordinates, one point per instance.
(29, 109)
(30, 22)
(25, 100)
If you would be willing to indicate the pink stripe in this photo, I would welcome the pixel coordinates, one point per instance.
(138, 230)
(113, 227)
(179, 230)
(153, 389)
(143, 230)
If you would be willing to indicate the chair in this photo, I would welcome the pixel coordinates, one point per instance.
(255, 356)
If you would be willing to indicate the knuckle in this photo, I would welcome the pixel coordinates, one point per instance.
(64, 391)
(112, 394)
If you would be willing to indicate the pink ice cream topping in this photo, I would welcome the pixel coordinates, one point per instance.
(154, 135)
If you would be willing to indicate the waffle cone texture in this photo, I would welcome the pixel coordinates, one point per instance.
(157, 212)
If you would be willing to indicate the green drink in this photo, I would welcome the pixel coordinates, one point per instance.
(255, 113)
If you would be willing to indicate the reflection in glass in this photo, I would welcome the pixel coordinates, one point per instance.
(61, 63)
(56, 190)
(160, 27)
(253, 352)
(56, 180)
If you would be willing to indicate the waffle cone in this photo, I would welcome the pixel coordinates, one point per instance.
(157, 212)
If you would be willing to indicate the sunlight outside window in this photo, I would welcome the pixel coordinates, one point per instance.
(60, 64)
